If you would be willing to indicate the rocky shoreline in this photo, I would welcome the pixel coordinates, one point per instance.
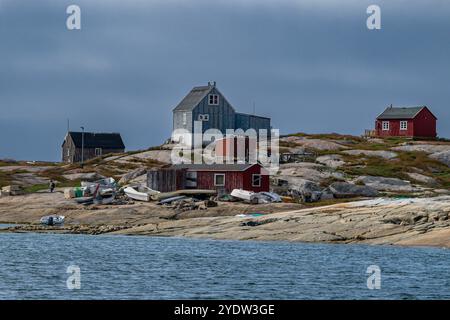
(388, 221)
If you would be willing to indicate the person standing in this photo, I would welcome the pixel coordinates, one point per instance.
(52, 186)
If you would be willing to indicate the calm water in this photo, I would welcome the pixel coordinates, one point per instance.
(33, 266)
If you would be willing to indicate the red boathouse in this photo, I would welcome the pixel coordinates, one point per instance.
(221, 177)
(406, 122)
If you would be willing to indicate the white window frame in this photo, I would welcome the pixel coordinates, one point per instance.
(215, 179)
(213, 99)
(403, 125)
(184, 118)
(98, 154)
(203, 117)
(385, 125)
(253, 180)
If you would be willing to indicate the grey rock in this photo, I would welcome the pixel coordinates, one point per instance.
(345, 189)
(132, 175)
(387, 184)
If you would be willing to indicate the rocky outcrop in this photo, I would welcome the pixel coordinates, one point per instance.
(89, 176)
(372, 153)
(348, 190)
(132, 175)
(422, 178)
(443, 156)
(386, 184)
(331, 160)
(317, 144)
(439, 152)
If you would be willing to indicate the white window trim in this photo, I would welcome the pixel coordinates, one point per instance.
(383, 127)
(405, 127)
(98, 154)
(184, 118)
(212, 101)
(215, 181)
(203, 117)
(253, 180)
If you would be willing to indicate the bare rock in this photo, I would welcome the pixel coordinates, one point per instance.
(331, 160)
(372, 153)
(132, 175)
(90, 176)
(421, 178)
(387, 184)
(345, 190)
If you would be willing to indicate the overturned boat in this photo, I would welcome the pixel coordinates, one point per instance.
(245, 195)
(140, 193)
(52, 220)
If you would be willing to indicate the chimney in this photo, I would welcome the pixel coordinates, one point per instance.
(390, 106)
(211, 83)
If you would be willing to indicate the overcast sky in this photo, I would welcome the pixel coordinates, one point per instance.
(311, 65)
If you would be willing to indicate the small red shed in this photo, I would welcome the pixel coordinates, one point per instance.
(406, 122)
(221, 177)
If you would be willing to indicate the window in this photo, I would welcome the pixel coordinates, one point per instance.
(184, 118)
(219, 179)
(203, 117)
(256, 180)
(98, 152)
(403, 125)
(213, 99)
(385, 125)
(68, 152)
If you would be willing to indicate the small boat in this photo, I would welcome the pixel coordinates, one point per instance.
(199, 193)
(244, 195)
(270, 196)
(171, 199)
(52, 220)
(104, 199)
(140, 193)
(84, 200)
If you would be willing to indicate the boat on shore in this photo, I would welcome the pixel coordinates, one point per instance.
(141, 193)
(52, 220)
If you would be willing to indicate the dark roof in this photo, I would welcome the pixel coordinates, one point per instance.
(213, 167)
(251, 115)
(193, 98)
(400, 113)
(98, 140)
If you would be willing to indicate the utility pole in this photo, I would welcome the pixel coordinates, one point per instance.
(82, 146)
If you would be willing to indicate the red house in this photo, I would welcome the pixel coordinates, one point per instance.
(221, 177)
(406, 122)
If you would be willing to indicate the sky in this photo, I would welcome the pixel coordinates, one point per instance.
(312, 66)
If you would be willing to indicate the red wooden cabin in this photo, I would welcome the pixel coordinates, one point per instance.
(406, 122)
(221, 177)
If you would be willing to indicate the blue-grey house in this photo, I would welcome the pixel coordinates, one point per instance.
(208, 104)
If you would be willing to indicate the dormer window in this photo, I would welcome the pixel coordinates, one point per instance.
(213, 99)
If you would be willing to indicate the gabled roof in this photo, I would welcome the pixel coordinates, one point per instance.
(401, 112)
(97, 140)
(193, 98)
(214, 167)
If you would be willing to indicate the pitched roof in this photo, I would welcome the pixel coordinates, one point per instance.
(98, 140)
(400, 112)
(193, 98)
(214, 167)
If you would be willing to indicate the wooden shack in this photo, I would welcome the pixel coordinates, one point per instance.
(221, 177)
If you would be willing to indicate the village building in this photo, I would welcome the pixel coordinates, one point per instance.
(208, 105)
(406, 122)
(92, 144)
(220, 177)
